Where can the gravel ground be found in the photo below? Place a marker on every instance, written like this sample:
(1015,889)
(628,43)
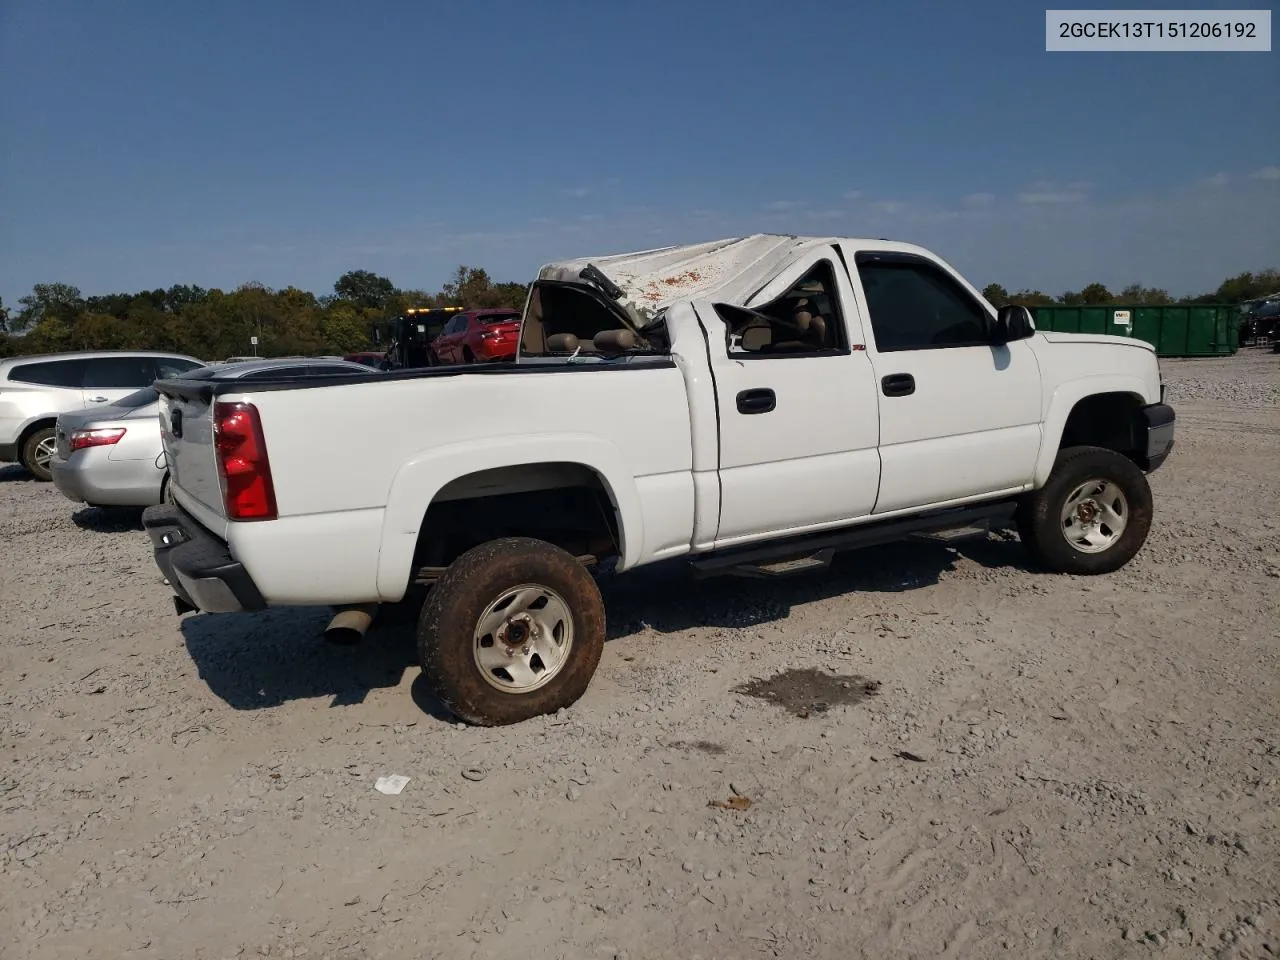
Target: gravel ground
(924,751)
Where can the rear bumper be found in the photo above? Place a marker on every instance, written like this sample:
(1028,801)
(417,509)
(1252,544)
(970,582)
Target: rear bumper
(489,350)
(90,476)
(1160,421)
(198,565)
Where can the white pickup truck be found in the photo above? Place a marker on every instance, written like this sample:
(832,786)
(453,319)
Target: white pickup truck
(752,405)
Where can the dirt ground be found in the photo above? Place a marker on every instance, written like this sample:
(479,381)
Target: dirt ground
(944,753)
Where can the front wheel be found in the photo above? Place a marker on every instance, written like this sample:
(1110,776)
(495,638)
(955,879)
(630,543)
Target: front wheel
(512,630)
(1091,517)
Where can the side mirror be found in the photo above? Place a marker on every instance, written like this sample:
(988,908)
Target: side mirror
(1013,322)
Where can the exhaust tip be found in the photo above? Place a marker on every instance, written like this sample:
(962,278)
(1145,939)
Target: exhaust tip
(350,624)
(343,636)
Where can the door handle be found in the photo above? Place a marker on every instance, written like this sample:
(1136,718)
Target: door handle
(760,400)
(898,385)
(97,399)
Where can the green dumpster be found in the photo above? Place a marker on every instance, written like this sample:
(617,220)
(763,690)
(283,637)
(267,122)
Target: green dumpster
(1201,330)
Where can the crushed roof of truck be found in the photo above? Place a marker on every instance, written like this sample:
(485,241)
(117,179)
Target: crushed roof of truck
(726,271)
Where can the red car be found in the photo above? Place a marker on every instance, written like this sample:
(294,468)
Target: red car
(478,336)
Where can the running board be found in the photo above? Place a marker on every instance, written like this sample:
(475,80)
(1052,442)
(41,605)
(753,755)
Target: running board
(815,551)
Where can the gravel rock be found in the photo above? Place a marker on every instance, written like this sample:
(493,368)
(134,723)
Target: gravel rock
(1101,751)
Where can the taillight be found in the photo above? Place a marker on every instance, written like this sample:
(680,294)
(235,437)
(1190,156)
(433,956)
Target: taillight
(241,452)
(96,438)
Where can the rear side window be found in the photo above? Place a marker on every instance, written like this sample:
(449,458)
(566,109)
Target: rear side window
(173,367)
(117,372)
(50,373)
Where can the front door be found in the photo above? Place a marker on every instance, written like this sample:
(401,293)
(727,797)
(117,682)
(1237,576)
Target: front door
(797,404)
(959,416)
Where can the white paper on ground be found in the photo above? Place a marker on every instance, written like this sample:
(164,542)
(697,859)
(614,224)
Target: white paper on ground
(391,784)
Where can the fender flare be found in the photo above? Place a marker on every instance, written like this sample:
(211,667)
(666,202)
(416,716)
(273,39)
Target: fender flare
(422,477)
(1063,401)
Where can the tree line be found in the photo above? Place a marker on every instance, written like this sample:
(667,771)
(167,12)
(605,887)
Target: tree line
(214,324)
(1238,289)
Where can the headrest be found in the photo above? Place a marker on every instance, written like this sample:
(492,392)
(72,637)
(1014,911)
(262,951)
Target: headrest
(562,343)
(614,341)
(756,338)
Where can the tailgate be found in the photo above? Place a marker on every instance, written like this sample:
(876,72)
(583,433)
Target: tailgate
(186,427)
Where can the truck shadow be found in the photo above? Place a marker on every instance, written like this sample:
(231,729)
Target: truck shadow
(13,473)
(256,661)
(664,598)
(108,519)
(264,660)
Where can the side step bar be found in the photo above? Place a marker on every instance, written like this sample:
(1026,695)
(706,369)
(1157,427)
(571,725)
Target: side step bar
(815,551)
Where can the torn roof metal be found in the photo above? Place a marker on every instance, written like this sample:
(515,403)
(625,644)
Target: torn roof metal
(727,271)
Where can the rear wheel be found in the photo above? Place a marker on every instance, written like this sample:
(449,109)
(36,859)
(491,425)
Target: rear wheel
(1092,516)
(513,629)
(38,453)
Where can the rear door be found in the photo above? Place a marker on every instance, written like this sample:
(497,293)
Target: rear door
(799,424)
(108,379)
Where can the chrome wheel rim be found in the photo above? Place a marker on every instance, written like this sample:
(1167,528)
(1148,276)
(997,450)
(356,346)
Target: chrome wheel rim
(523,639)
(44,452)
(1094,517)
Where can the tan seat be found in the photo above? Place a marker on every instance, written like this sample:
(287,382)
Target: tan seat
(614,341)
(562,343)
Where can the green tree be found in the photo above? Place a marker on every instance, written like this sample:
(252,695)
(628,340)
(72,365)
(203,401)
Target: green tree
(1031,298)
(344,328)
(364,288)
(1138,294)
(1092,295)
(995,294)
(48,300)
(4,317)
(1245,286)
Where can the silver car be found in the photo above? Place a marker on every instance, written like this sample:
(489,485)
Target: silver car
(113,456)
(35,390)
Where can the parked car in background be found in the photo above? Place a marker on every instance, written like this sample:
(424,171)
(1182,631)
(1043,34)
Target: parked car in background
(113,455)
(370,358)
(35,390)
(478,336)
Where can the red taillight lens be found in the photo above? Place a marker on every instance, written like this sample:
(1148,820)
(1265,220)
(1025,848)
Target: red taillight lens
(95,438)
(241,451)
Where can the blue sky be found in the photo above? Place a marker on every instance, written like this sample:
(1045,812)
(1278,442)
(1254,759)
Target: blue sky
(164,141)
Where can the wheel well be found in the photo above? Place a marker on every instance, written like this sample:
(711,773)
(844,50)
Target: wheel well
(32,428)
(566,504)
(1109,420)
